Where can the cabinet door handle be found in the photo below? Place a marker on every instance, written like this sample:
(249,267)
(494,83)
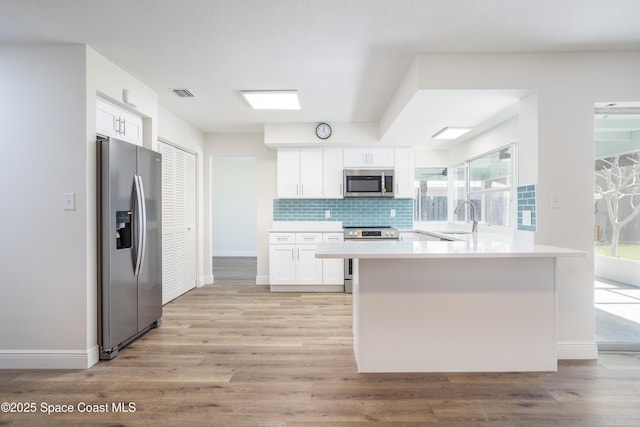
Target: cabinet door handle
(341,190)
(298,253)
(292,255)
(302,189)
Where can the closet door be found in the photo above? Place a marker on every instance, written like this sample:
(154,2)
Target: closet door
(178,221)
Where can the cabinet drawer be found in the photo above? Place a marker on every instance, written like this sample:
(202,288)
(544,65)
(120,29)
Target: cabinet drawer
(332,237)
(302,238)
(282,238)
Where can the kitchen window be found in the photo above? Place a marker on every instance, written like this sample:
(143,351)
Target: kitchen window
(431,194)
(488,184)
(459,178)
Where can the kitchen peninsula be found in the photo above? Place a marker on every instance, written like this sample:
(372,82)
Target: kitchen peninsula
(476,304)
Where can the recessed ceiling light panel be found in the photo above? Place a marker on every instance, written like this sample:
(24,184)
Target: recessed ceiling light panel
(272,99)
(450,133)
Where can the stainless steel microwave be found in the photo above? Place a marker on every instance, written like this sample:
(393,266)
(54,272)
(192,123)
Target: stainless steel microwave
(368,183)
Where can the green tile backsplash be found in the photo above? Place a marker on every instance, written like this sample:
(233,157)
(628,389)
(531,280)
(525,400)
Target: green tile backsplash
(365,211)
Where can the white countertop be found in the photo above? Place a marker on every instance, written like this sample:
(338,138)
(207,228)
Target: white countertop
(306,227)
(471,247)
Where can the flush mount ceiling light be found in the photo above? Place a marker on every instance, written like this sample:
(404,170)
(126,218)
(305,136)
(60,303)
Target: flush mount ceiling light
(450,133)
(272,99)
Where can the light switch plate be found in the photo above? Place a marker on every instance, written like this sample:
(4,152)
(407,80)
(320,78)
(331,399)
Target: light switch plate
(69,201)
(392,213)
(327,214)
(526,217)
(555,200)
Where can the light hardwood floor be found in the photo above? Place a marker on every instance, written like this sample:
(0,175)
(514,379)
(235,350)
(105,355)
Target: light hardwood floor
(240,270)
(237,355)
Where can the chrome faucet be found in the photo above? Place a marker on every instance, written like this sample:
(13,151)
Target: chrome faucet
(475,213)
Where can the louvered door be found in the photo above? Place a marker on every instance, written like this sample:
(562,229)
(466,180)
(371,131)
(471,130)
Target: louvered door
(178,221)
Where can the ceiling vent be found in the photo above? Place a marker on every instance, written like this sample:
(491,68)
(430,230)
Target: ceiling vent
(183,93)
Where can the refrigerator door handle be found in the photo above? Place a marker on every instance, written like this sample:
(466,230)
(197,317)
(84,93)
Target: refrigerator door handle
(141,219)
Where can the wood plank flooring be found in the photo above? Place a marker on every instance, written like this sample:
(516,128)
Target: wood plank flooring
(237,355)
(240,270)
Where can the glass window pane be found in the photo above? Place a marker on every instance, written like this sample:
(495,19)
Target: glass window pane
(459,190)
(430,203)
(491,172)
(494,207)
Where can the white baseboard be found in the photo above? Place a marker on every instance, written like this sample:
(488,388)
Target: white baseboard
(49,359)
(577,350)
(262,280)
(307,288)
(204,280)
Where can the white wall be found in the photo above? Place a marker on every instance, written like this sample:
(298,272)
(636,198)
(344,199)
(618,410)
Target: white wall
(250,145)
(176,131)
(304,134)
(566,86)
(48,266)
(43,308)
(234,207)
(502,134)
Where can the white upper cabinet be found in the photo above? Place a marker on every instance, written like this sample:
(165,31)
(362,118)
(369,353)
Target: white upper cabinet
(115,122)
(332,167)
(288,169)
(369,158)
(404,173)
(311,173)
(299,173)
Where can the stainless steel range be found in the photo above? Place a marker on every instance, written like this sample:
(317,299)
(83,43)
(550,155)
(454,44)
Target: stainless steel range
(364,233)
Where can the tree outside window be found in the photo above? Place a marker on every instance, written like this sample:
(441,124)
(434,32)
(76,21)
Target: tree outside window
(617,185)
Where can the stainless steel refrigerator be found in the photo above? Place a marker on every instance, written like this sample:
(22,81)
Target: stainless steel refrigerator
(129,243)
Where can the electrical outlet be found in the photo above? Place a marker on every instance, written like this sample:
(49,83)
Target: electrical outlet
(327,214)
(555,200)
(526,217)
(392,213)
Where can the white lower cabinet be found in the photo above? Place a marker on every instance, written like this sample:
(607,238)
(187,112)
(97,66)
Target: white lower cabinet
(293,266)
(308,267)
(333,269)
(282,267)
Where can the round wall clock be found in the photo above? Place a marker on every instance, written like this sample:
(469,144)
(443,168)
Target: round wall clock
(323,130)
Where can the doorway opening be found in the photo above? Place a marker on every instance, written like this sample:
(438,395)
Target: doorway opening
(617,226)
(234,219)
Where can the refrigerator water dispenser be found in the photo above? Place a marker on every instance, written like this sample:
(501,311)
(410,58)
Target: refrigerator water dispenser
(123,229)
